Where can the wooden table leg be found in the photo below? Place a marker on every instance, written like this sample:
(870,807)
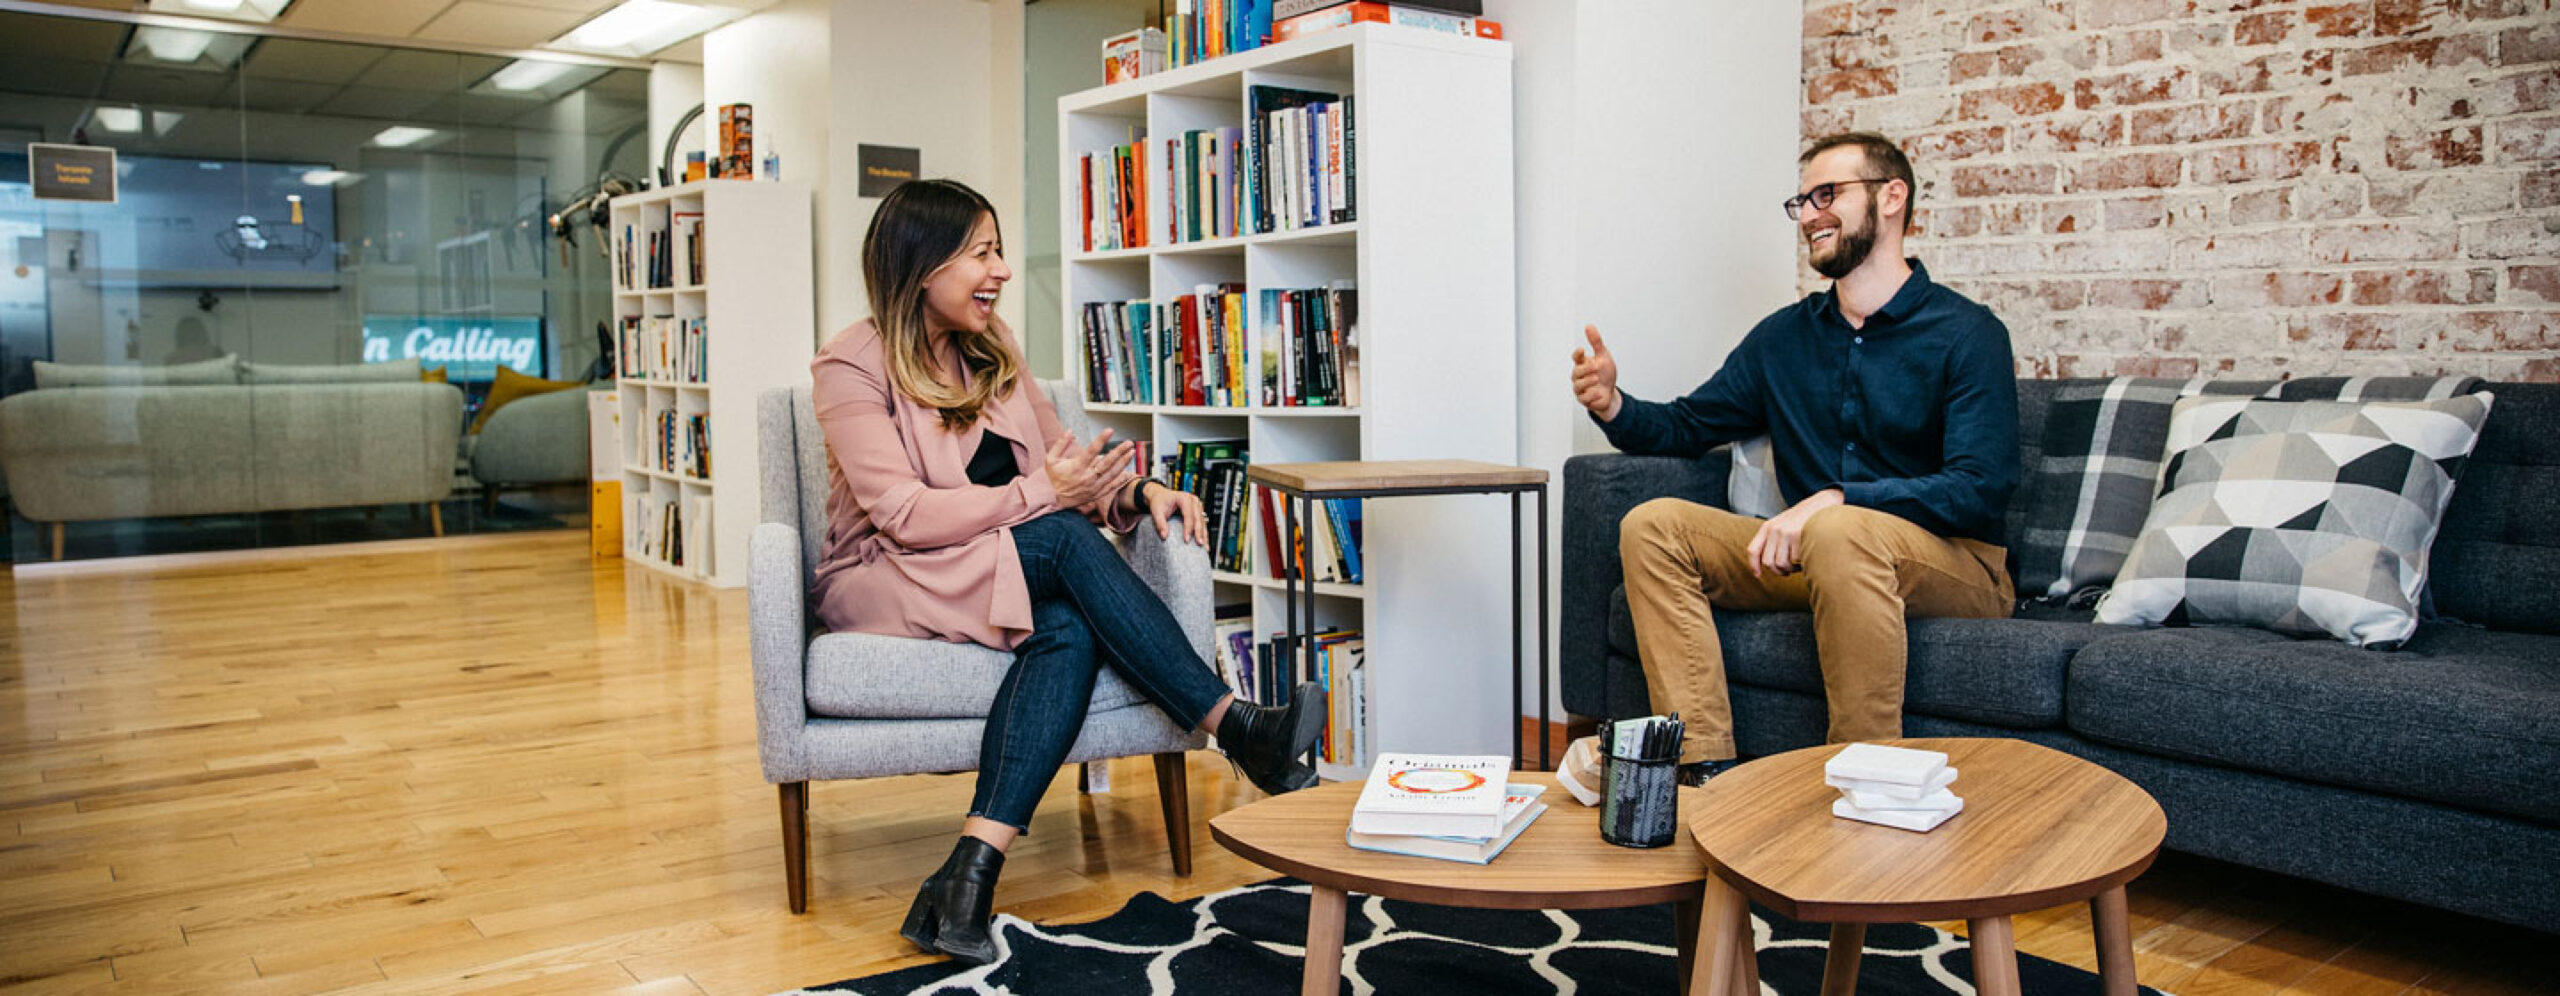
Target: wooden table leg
(1995,957)
(2115,942)
(1326,907)
(1746,969)
(1840,971)
(1684,930)
(1723,940)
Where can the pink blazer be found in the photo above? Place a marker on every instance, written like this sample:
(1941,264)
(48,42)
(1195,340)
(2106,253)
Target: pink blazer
(913,549)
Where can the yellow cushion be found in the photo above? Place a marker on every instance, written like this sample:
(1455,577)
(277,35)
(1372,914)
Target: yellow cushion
(434,375)
(510,386)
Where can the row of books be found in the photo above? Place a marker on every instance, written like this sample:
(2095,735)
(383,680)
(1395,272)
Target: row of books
(1332,537)
(676,531)
(672,349)
(646,258)
(1191,350)
(1293,164)
(1213,471)
(1200,349)
(677,443)
(1446,806)
(1199,30)
(1265,671)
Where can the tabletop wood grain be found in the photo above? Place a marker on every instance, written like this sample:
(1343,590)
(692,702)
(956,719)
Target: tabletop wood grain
(2039,828)
(1560,862)
(1319,479)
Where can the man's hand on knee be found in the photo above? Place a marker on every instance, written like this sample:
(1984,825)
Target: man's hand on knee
(1778,548)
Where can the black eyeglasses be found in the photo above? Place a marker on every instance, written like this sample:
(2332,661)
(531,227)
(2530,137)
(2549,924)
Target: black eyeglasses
(1821,197)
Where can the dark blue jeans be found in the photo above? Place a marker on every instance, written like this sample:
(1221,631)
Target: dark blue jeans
(1088,609)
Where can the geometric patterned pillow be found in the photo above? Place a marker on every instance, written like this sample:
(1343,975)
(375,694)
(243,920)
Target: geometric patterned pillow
(1752,488)
(2300,517)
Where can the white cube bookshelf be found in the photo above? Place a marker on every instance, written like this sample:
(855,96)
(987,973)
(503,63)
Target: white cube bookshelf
(757,302)
(1431,251)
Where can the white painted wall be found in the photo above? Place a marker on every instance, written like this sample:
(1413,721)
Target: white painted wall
(674,88)
(1655,139)
(778,61)
(914,73)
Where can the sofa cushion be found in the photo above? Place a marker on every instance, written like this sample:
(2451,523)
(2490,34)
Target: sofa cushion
(2305,517)
(866,676)
(2005,672)
(392,371)
(2461,716)
(221,370)
(508,386)
(2497,560)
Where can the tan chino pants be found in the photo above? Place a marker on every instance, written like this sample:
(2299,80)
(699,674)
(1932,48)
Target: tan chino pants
(1862,572)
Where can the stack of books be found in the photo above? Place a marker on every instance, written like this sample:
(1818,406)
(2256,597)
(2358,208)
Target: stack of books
(1892,786)
(1446,806)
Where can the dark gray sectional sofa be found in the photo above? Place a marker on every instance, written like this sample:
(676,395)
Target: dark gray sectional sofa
(2430,774)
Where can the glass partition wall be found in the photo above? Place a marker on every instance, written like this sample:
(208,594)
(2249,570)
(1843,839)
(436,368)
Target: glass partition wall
(326,305)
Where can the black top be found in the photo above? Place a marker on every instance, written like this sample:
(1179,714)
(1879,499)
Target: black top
(992,466)
(1915,414)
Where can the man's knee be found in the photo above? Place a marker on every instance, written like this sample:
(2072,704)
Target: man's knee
(1649,528)
(1843,533)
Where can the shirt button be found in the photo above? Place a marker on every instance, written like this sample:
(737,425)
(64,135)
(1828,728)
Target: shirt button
(1857,340)
(1853,447)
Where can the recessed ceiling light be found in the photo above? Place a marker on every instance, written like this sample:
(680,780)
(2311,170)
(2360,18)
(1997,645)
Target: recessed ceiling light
(329,178)
(639,27)
(254,11)
(403,136)
(187,47)
(525,75)
(121,120)
(163,121)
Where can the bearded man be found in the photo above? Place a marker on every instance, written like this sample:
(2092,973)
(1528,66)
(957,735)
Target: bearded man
(1891,410)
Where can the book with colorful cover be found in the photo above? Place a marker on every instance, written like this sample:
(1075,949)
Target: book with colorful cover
(1520,807)
(1449,795)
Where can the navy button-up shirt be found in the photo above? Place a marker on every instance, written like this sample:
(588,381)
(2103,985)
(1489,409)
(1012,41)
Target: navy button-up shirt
(1915,414)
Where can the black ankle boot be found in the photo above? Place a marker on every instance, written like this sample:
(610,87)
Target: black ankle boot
(950,913)
(1266,742)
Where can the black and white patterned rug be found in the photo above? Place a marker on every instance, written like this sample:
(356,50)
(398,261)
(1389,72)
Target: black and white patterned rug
(1251,940)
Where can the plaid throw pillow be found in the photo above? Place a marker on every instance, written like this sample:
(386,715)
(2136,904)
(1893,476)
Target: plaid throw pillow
(2301,517)
(2102,448)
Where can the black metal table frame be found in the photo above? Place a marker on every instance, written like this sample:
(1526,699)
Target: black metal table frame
(1301,593)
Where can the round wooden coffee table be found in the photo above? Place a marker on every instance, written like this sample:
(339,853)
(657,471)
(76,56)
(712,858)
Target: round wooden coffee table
(1560,863)
(2040,828)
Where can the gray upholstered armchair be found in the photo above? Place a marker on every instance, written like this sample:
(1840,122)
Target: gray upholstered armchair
(852,705)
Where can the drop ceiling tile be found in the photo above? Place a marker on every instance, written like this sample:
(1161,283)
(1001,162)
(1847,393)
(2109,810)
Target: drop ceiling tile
(65,77)
(37,36)
(309,61)
(475,109)
(479,22)
(582,8)
(397,18)
(385,104)
(286,96)
(438,72)
(166,86)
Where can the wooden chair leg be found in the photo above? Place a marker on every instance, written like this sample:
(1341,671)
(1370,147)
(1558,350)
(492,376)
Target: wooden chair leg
(57,540)
(489,500)
(435,517)
(1173,788)
(795,843)
(1084,778)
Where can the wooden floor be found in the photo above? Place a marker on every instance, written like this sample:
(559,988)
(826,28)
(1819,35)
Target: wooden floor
(492,764)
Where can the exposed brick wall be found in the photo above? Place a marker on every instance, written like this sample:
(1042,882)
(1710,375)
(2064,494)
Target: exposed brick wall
(2164,187)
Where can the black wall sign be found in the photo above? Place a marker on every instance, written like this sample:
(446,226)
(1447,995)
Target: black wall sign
(72,172)
(884,167)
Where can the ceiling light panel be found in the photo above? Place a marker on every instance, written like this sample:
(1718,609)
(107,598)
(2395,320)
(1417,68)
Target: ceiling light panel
(186,47)
(636,28)
(403,136)
(252,11)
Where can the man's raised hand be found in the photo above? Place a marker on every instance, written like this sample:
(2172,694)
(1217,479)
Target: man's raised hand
(1595,376)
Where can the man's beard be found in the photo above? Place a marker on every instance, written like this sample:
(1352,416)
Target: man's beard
(1848,248)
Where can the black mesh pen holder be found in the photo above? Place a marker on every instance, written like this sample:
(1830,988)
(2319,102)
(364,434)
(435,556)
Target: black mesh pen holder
(1641,806)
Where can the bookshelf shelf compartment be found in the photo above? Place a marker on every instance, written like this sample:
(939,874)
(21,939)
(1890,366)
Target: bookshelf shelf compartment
(1429,252)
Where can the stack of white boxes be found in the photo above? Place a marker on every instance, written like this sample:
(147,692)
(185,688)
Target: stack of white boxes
(1892,786)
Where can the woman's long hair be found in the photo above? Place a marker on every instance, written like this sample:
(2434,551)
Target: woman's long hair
(922,225)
